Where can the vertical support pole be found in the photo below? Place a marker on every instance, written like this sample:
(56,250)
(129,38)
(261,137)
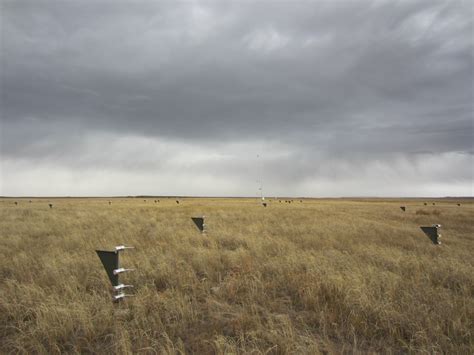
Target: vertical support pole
(438,234)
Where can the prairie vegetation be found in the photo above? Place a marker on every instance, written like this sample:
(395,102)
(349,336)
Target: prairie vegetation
(307,277)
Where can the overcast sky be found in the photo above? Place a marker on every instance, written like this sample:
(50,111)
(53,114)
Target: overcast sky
(337,98)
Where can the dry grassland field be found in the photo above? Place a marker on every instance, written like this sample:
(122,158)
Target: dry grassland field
(317,276)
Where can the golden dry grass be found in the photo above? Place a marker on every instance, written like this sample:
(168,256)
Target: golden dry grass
(318,276)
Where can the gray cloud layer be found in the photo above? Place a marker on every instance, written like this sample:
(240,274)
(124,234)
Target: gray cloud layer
(320,89)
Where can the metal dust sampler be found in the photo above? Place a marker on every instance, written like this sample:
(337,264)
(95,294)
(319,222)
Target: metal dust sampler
(433,233)
(199,222)
(110,261)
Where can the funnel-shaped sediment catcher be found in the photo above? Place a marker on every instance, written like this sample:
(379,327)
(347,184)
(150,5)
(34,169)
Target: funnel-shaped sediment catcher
(110,261)
(433,233)
(199,222)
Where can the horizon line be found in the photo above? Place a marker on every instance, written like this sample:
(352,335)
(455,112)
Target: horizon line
(246,197)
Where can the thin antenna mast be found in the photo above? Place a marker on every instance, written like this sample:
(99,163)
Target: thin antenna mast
(262,198)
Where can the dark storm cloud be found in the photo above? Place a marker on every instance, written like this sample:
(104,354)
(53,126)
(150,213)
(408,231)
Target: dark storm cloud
(354,79)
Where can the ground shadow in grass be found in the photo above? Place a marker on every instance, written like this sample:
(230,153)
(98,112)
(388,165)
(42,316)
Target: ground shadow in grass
(432,233)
